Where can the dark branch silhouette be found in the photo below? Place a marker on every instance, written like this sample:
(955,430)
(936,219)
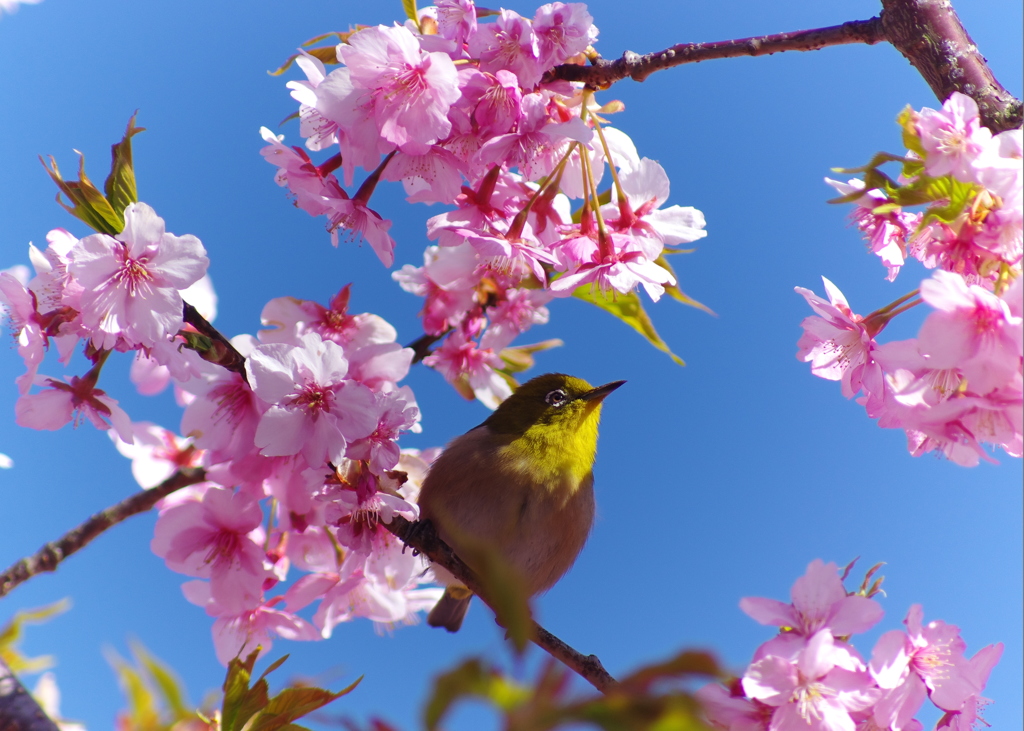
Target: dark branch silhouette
(49,556)
(603,73)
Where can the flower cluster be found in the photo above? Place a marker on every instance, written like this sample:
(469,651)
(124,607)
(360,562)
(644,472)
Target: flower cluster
(308,434)
(466,113)
(958,385)
(810,677)
(304,435)
(115,293)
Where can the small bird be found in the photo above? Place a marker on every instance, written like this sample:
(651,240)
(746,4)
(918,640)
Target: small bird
(520,483)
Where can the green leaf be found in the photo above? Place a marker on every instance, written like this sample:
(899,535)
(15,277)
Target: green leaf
(409,6)
(627,308)
(87,203)
(959,196)
(236,688)
(520,358)
(167,682)
(328,55)
(143,709)
(471,679)
(120,184)
(673,290)
(293,703)
(12,632)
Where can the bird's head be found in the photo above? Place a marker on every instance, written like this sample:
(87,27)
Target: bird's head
(554,404)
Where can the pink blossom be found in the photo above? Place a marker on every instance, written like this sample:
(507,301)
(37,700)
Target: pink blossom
(398,413)
(512,255)
(456,20)
(447,280)
(19,306)
(470,368)
(434,176)
(733,712)
(380,366)
(928,656)
(509,44)
(819,601)
(214,539)
(953,138)
(886,233)
(289,319)
(494,101)
(646,187)
(236,634)
(354,216)
(224,414)
(132,282)
(156,453)
(972,330)
(979,668)
(314,409)
(839,347)
(60,403)
(563,30)
(622,268)
(537,143)
(520,310)
(411,90)
(297,172)
(812,693)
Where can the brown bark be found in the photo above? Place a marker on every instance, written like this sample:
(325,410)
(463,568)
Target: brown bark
(930,35)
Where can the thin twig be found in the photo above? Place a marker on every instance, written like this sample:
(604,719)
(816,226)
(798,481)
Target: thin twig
(930,35)
(423,538)
(603,73)
(49,556)
(421,346)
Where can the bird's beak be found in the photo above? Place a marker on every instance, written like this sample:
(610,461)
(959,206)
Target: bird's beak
(598,394)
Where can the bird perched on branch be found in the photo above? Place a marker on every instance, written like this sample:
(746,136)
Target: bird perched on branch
(521,484)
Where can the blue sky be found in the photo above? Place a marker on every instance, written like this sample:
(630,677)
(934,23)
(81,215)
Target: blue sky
(715,481)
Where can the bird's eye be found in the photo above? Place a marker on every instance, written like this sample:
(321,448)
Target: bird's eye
(557,398)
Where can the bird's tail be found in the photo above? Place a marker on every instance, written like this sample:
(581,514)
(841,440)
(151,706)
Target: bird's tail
(451,609)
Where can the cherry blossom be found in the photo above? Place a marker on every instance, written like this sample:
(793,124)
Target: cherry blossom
(132,282)
(156,453)
(953,137)
(60,403)
(819,601)
(239,633)
(814,693)
(213,539)
(411,90)
(314,409)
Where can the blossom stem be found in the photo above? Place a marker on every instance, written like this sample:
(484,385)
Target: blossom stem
(591,188)
(895,303)
(903,309)
(620,195)
(366,189)
(516,229)
(49,557)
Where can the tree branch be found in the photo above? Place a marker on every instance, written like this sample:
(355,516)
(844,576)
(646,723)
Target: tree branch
(49,556)
(930,35)
(423,538)
(221,351)
(19,711)
(603,73)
